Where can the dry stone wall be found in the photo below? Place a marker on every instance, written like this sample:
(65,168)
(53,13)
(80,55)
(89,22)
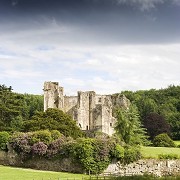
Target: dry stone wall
(141,167)
(149,166)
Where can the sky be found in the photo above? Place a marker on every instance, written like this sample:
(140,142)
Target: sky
(102,45)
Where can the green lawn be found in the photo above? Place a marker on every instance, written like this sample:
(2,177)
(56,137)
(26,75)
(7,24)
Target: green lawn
(177,142)
(153,152)
(10,173)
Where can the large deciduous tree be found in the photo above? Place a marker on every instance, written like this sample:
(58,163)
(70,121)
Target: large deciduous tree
(156,124)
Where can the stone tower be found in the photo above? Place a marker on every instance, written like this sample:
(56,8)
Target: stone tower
(53,96)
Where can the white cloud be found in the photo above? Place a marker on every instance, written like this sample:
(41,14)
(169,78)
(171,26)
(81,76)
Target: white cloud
(104,69)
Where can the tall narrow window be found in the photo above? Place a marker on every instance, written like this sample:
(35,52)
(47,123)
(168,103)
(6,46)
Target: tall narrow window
(86,127)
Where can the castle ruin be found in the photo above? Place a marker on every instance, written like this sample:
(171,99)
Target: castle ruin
(90,110)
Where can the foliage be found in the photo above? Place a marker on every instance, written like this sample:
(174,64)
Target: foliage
(55,134)
(53,119)
(163,140)
(168,156)
(164,102)
(39,148)
(33,103)
(31,142)
(128,126)
(93,154)
(4,138)
(15,108)
(118,152)
(20,143)
(56,146)
(131,154)
(174,122)
(11,105)
(41,136)
(155,125)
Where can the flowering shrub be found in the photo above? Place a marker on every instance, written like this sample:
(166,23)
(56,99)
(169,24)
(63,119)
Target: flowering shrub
(94,154)
(39,148)
(20,143)
(55,146)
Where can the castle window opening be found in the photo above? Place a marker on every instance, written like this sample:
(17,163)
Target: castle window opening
(86,127)
(110,124)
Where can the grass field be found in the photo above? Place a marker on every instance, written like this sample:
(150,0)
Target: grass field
(177,142)
(153,152)
(10,173)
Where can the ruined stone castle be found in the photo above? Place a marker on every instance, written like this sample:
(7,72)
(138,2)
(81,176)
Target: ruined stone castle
(90,110)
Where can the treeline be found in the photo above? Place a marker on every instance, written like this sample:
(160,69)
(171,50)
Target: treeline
(16,108)
(159,110)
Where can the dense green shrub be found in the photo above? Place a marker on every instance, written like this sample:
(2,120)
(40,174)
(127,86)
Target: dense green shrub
(117,152)
(131,154)
(4,138)
(92,154)
(168,156)
(55,134)
(163,140)
(41,136)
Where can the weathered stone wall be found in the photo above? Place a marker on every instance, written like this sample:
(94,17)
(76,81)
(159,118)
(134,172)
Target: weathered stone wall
(53,95)
(66,164)
(141,167)
(83,110)
(149,166)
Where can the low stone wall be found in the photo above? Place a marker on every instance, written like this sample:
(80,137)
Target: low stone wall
(149,166)
(66,164)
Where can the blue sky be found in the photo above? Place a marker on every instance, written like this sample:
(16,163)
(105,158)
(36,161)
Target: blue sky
(101,45)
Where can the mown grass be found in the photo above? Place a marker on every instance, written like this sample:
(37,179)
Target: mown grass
(153,152)
(177,142)
(10,173)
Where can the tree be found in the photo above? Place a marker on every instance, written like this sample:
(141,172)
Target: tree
(128,126)
(156,124)
(33,103)
(11,105)
(174,122)
(53,119)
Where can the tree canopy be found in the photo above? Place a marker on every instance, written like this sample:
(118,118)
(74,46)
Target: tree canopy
(162,102)
(15,108)
(53,119)
(129,128)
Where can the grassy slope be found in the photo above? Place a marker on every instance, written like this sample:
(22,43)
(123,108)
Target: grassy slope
(9,173)
(152,152)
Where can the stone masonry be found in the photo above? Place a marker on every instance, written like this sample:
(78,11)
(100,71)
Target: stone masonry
(91,111)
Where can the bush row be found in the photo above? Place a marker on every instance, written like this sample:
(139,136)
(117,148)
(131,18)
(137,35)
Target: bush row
(94,154)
